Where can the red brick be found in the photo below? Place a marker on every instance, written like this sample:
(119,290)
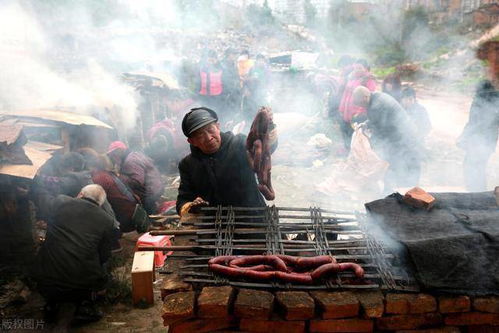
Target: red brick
(273,326)
(215,302)
(397,303)
(178,306)
(256,304)
(422,303)
(419,198)
(340,304)
(486,304)
(342,325)
(408,322)
(371,302)
(483,329)
(174,284)
(202,325)
(450,304)
(296,305)
(472,318)
(410,303)
(446,329)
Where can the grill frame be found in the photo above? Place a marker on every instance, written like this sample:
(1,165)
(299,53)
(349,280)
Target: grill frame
(322,227)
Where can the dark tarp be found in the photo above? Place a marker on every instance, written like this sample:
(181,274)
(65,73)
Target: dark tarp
(454,247)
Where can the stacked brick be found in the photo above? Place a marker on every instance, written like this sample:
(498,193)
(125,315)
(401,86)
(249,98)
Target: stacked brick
(229,309)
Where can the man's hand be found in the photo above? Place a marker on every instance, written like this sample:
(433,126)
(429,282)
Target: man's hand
(197,204)
(193,206)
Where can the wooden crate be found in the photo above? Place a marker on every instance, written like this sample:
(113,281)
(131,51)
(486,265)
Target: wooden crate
(143,277)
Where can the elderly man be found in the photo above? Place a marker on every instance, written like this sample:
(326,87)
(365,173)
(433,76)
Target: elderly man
(217,171)
(139,173)
(393,137)
(70,265)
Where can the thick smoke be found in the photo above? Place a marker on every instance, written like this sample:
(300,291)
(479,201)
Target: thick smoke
(32,78)
(71,54)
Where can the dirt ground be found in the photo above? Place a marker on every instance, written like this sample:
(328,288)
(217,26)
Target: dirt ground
(297,171)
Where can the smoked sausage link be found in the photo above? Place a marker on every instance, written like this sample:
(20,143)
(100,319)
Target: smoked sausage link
(252,260)
(287,268)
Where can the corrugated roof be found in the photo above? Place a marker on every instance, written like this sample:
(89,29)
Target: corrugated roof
(57,116)
(9,133)
(36,156)
(43,146)
(169,81)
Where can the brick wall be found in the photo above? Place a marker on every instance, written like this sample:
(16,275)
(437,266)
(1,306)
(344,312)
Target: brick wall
(230,309)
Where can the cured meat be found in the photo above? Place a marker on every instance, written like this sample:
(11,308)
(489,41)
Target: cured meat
(356,268)
(286,268)
(259,148)
(313,262)
(274,261)
(221,260)
(328,269)
(324,270)
(294,277)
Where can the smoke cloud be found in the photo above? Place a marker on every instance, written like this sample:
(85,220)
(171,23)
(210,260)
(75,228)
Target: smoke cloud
(70,54)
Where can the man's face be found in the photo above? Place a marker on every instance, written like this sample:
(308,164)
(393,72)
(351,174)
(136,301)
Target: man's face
(207,138)
(212,60)
(407,102)
(361,100)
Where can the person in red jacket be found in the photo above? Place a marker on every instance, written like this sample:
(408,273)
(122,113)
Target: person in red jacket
(120,197)
(139,173)
(360,76)
(210,81)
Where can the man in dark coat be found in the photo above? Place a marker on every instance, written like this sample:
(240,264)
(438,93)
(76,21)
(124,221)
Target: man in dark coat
(393,137)
(217,171)
(231,82)
(70,264)
(479,137)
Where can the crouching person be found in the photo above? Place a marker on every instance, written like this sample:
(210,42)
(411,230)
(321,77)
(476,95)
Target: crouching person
(69,267)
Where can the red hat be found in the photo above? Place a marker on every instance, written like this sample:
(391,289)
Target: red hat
(116,145)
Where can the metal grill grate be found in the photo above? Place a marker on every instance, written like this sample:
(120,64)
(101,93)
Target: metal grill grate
(266,230)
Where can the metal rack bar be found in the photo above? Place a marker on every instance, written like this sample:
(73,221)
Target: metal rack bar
(229,224)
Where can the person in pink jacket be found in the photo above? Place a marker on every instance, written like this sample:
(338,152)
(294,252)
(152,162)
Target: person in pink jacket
(360,76)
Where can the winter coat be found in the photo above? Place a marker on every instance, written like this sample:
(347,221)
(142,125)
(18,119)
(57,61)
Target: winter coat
(141,175)
(121,198)
(419,117)
(481,131)
(357,78)
(231,80)
(223,178)
(393,132)
(77,244)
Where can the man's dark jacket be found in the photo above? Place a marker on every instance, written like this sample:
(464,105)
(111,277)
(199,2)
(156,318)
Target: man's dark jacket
(481,131)
(393,132)
(77,245)
(223,178)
